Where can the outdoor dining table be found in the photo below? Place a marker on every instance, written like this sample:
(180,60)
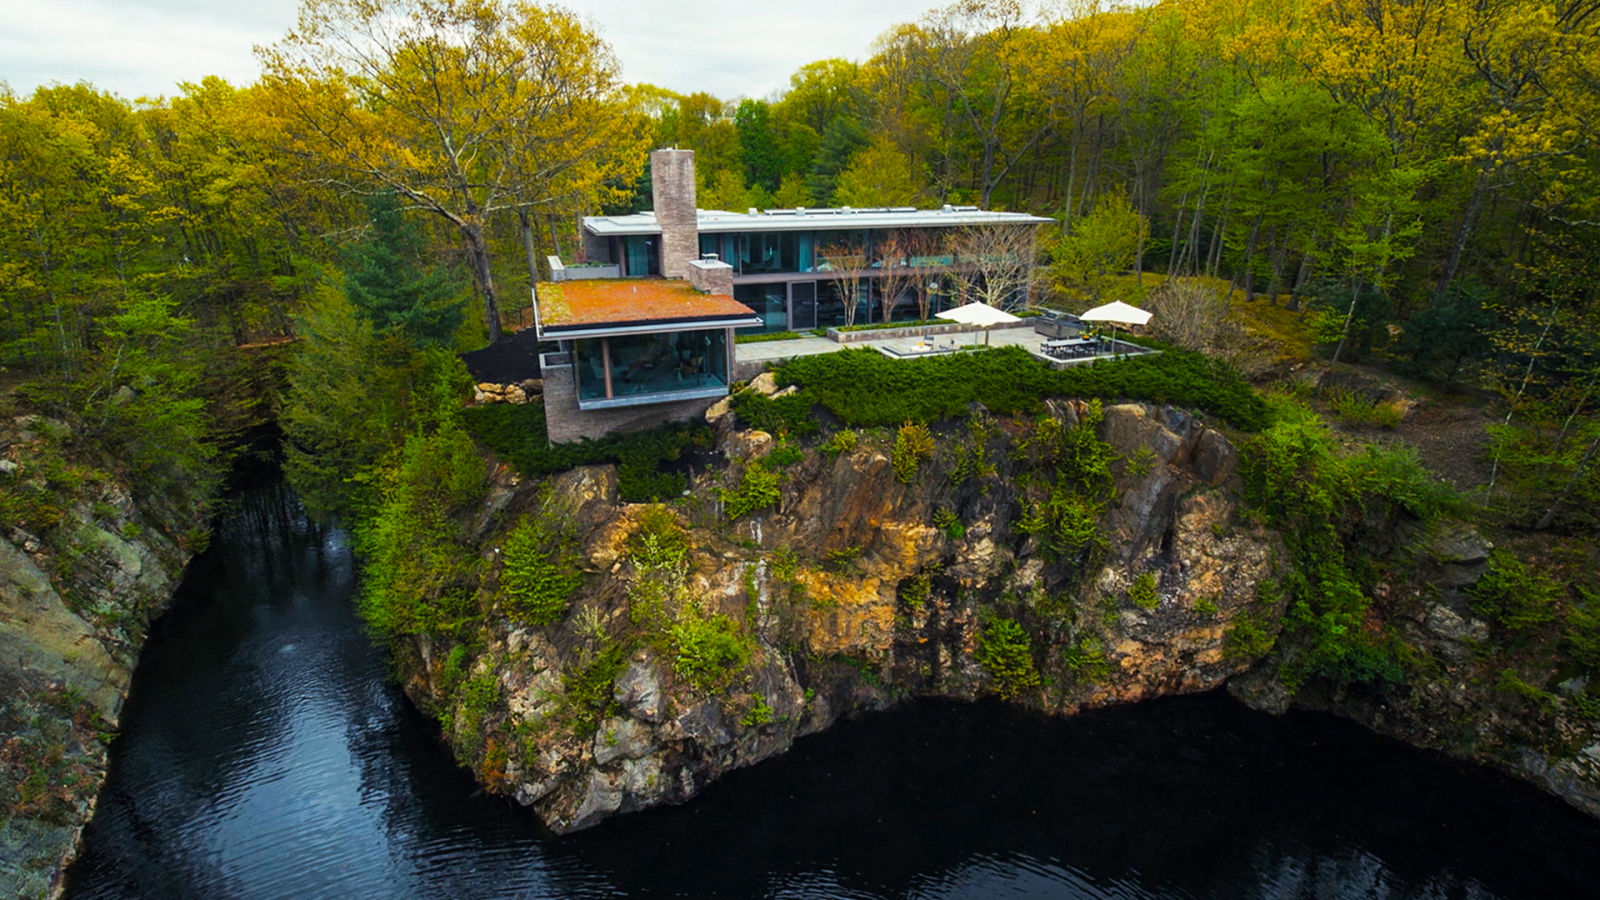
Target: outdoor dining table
(1070,347)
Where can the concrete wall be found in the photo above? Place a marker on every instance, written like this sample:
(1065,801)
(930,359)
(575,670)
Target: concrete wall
(672,191)
(566,423)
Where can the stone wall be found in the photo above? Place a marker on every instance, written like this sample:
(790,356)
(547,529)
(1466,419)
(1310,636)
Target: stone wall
(711,276)
(565,423)
(672,191)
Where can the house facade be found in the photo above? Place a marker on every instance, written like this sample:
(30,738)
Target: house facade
(646,321)
(786,262)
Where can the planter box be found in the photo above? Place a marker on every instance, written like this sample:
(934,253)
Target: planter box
(876,334)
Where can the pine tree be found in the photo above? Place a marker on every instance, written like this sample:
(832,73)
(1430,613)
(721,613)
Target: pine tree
(388,284)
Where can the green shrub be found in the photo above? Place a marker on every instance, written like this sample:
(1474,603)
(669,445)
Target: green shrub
(708,651)
(764,338)
(475,698)
(419,575)
(757,490)
(1086,659)
(1355,409)
(948,522)
(783,456)
(1005,652)
(914,592)
(1248,637)
(1142,593)
(843,441)
(863,388)
(789,414)
(588,689)
(759,713)
(913,443)
(516,433)
(541,572)
(1514,595)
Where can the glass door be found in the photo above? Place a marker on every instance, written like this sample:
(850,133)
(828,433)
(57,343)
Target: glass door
(802,305)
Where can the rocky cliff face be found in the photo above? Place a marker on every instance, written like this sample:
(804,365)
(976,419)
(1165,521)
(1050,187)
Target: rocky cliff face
(698,645)
(82,573)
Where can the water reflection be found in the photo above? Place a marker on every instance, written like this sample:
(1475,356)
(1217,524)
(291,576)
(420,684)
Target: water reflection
(264,755)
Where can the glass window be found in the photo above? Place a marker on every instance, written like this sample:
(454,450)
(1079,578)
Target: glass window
(651,364)
(771,303)
(641,256)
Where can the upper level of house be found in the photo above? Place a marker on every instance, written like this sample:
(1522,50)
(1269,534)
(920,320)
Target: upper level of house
(765,244)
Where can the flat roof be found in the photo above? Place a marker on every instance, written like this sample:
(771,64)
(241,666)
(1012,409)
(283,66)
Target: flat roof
(715,221)
(592,306)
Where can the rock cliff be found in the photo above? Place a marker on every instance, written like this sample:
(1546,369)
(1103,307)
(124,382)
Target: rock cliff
(83,571)
(1085,558)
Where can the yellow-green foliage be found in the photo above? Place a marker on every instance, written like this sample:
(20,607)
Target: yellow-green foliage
(843,441)
(420,577)
(709,650)
(1006,654)
(912,444)
(1142,593)
(757,490)
(541,571)
(1087,659)
(659,551)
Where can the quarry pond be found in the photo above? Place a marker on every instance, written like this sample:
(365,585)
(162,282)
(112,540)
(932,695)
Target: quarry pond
(264,754)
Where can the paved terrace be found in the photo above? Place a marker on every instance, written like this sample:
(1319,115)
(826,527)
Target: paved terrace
(750,359)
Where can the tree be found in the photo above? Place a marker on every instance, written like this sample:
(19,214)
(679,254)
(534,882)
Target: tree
(844,261)
(994,263)
(389,283)
(896,274)
(758,145)
(1098,245)
(878,175)
(463,108)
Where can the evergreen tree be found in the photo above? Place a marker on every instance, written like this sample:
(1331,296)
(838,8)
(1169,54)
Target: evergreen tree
(389,285)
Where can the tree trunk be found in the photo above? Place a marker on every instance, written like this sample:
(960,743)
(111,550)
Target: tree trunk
(1177,233)
(1300,279)
(478,258)
(1349,316)
(1468,220)
(1249,272)
(526,223)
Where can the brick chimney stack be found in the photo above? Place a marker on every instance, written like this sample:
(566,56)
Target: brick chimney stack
(672,191)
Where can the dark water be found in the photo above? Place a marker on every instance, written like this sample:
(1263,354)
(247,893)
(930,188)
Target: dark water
(264,756)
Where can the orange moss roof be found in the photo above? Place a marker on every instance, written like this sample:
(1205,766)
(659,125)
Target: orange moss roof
(618,302)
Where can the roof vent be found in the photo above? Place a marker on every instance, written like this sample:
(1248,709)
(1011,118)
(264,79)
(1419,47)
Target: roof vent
(799,210)
(947,208)
(753,211)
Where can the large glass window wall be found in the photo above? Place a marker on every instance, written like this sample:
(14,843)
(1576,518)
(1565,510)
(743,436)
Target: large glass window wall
(763,253)
(771,303)
(651,367)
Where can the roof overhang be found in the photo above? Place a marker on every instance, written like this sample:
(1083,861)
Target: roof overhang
(711,221)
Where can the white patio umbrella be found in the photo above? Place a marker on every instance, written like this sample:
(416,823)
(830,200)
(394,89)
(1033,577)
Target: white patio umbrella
(978,314)
(1116,313)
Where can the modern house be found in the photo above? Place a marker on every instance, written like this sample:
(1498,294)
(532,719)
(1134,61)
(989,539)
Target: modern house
(646,320)
(782,259)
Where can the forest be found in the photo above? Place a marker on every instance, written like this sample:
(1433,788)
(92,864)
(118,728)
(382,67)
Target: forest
(1418,183)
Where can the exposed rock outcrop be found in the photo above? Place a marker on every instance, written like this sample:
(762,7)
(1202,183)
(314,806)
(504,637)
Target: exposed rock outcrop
(859,588)
(82,574)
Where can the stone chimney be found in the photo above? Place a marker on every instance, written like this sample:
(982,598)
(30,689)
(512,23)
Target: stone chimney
(711,275)
(672,191)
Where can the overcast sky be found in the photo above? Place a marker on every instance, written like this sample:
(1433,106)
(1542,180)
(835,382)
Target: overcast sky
(144,48)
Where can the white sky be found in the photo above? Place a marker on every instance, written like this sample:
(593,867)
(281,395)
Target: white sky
(144,48)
